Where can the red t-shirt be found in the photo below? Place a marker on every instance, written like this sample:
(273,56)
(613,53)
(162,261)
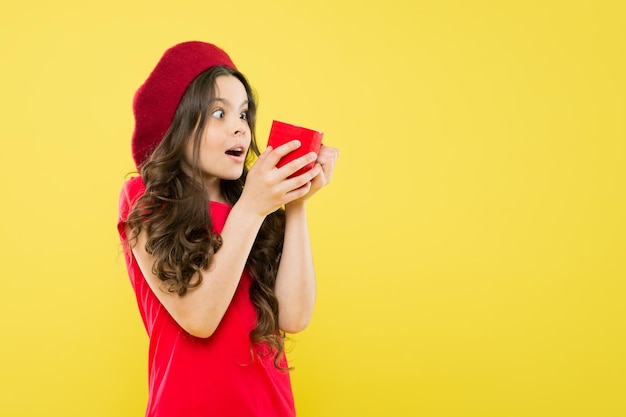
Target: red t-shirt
(216,376)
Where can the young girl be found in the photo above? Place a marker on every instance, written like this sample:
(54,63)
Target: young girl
(220,269)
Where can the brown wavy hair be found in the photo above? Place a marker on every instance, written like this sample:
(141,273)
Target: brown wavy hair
(174,212)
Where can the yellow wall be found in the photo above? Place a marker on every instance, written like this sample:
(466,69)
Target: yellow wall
(470,249)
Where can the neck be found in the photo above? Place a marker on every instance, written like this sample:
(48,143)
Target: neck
(211,185)
(213,189)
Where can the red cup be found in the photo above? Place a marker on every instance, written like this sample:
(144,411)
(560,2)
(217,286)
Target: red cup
(311,141)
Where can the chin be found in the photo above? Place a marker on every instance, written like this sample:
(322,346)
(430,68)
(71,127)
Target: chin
(233,176)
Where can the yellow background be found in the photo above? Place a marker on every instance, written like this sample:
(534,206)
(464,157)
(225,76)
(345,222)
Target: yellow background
(470,249)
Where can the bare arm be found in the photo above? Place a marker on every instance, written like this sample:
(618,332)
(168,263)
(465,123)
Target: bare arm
(295,284)
(200,311)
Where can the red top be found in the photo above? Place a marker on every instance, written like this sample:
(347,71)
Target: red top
(216,376)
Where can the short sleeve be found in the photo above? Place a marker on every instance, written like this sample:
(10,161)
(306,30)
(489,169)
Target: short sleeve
(131,191)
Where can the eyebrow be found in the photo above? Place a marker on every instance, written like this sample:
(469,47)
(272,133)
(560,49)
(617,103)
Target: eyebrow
(228,103)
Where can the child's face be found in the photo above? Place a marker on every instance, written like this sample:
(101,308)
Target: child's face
(226,137)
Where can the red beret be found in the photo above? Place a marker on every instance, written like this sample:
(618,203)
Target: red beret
(156,100)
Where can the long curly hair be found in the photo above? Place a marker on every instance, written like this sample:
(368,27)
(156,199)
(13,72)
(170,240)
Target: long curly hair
(174,212)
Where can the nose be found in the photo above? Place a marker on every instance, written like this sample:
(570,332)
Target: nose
(240,127)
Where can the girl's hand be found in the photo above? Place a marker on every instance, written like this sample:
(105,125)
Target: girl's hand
(322,171)
(267,187)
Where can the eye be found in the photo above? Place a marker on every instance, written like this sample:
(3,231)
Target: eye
(218,114)
(244,115)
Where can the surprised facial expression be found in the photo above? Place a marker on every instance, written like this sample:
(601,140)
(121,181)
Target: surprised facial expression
(226,136)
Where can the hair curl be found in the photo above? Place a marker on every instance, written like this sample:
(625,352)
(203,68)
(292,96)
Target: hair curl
(174,212)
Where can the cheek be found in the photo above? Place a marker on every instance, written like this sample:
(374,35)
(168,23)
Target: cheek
(210,138)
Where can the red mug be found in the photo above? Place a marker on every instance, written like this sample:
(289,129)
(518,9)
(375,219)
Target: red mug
(311,141)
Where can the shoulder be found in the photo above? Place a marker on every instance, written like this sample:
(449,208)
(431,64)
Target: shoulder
(131,191)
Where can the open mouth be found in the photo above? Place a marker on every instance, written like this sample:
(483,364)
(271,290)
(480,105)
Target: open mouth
(235,151)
